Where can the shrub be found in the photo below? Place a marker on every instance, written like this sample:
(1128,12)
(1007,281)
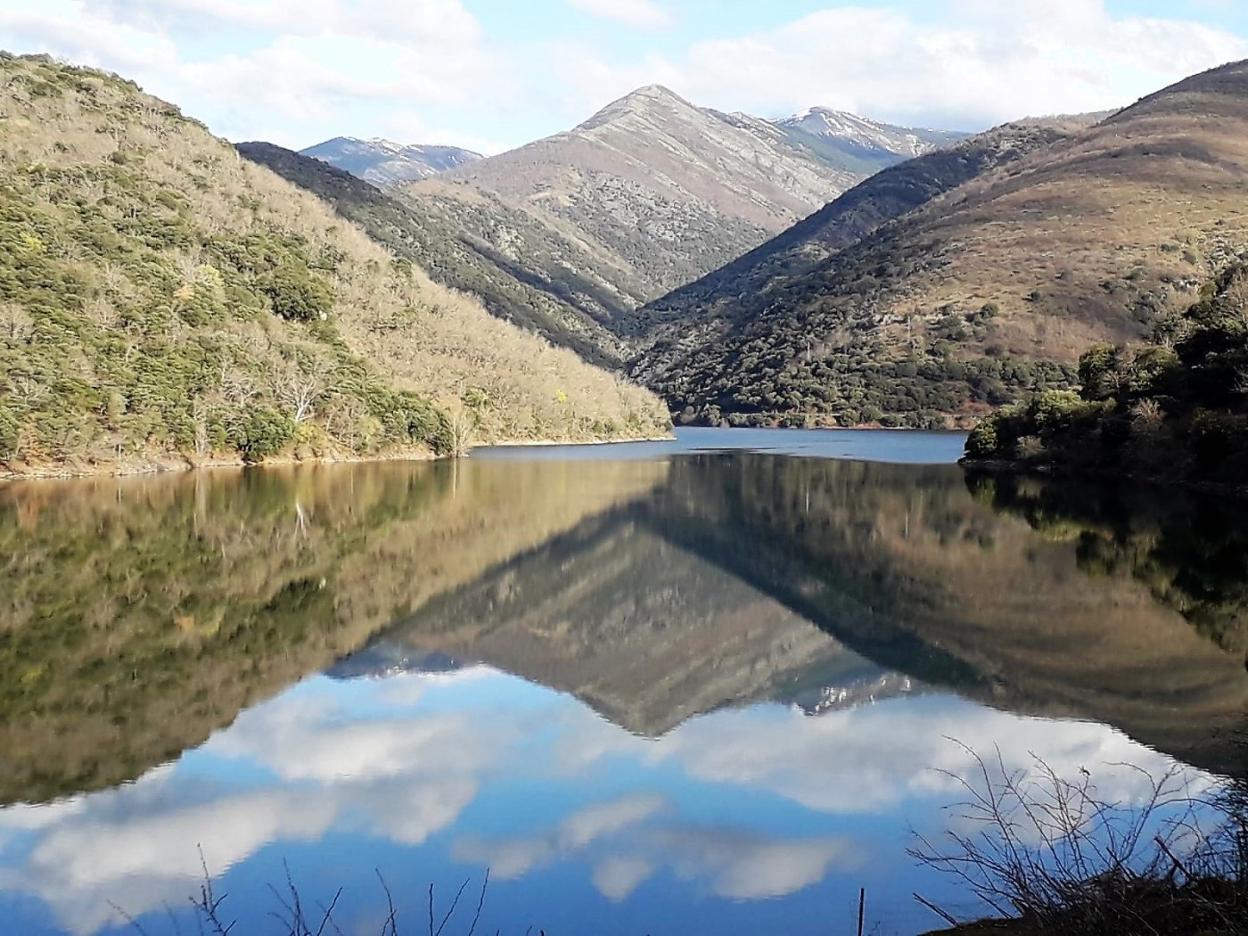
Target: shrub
(983,440)
(295,293)
(261,432)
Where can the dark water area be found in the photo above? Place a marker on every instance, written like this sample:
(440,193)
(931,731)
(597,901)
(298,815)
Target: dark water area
(704,686)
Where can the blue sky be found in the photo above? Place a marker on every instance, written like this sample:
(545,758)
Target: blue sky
(491,74)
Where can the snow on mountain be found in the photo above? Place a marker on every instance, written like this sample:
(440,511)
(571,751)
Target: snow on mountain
(384,162)
(864,137)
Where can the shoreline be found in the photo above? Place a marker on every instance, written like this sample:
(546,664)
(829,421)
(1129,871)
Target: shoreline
(175,464)
(996,466)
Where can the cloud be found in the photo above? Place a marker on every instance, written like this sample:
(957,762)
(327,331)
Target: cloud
(641,14)
(430,71)
(871,759)
(617,876)
(515,857)
(982,63)
(404,759)
(290,72)
(748,866)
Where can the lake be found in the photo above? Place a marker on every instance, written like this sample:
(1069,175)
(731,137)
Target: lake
(715,685)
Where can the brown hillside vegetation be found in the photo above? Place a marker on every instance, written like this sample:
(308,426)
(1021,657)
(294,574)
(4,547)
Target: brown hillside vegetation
(748,284)
(163,299)
(997,286)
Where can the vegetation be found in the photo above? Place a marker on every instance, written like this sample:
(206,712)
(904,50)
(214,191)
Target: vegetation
(656,190)
(1054,855)
(1175,409)
(164,302)
(447,238)
(987,293)
(141,614)
(749,283)
(1189,550)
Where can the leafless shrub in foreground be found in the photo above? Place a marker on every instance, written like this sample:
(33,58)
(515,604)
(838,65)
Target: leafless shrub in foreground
(1055,854)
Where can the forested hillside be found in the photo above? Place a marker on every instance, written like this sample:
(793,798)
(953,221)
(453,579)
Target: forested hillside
(424,228)
(993,289)
(164,301)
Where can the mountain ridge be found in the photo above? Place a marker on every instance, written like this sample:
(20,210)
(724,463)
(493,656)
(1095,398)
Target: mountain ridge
(661,190)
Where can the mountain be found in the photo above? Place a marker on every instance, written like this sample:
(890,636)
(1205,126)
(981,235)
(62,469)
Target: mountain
(646,632)
(839,136)
(451,241)
(164,302)
(748,284)
(660,191)
(385,163)
(991,289)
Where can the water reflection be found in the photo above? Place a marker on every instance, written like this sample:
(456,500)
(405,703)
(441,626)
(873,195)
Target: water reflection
(700,692)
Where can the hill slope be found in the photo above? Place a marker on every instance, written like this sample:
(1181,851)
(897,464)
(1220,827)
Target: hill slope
(748,284)
(164,301)
(660,190)
(995,287)
(440,236)
(385,163)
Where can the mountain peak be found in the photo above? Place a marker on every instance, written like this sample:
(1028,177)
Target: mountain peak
(645,100)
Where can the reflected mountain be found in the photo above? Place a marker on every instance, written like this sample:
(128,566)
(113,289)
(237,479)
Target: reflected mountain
(643,630)
(704,593)
(141,615)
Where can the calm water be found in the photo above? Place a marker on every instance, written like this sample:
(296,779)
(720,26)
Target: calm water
(670,688)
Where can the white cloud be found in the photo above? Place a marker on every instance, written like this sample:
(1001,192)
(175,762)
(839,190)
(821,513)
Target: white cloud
(983,63)
(298,71)
(642,14)
(286,71)
(617,876)
(392,760)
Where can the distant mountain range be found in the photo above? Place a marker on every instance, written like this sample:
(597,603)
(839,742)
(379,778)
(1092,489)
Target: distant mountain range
(383,162)
(659,191)
(568,236)
(840,136)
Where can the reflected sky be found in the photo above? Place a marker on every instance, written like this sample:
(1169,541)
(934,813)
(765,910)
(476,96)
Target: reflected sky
(759,816)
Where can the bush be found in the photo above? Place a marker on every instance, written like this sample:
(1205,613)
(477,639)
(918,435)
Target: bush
(261,432)
(296,294)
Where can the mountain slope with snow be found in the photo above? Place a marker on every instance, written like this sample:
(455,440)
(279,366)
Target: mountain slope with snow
(386,163)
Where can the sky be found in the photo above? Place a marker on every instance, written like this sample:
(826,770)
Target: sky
(493,74)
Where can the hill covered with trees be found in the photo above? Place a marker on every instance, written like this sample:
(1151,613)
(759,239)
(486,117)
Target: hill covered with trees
(164,301)
(424,228)
(1173,409)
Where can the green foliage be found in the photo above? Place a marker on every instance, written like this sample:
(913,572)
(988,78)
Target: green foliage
(133,327)
(295,293)
(1169,412)
(259,432)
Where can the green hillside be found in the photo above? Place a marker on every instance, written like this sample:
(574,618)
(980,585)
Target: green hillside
(165,302)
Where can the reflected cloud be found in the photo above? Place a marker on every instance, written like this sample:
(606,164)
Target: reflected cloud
(618,876)
(403,759)
(747,866)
